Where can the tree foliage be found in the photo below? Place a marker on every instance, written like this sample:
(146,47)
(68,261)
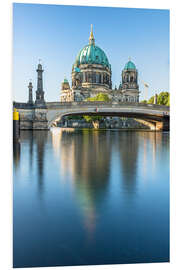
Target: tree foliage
(162,99)
(99,97)
(151,100)
(90,118)
(143,101)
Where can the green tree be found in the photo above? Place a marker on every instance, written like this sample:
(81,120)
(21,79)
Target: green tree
(99,97)
(96,119)
(143,101)
(163,98)
(151,100)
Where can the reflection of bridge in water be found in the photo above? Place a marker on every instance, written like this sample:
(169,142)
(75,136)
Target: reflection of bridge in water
(37,117)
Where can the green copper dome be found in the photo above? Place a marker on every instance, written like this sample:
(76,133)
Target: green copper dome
(130,65)
(65,80)
(92,54)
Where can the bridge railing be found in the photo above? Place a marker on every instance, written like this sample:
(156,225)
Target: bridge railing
(54,105)
(103,103)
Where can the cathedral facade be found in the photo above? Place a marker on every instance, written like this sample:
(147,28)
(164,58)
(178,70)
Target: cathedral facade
(91,75)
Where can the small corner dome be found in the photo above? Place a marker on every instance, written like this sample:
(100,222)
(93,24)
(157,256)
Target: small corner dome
(65,81)
(129,65)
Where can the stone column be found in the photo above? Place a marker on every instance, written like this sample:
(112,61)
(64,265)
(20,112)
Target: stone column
(84,79)
(30,101)
(40,93)
(102,78)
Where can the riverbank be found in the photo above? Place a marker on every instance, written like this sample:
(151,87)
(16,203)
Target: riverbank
(105,123)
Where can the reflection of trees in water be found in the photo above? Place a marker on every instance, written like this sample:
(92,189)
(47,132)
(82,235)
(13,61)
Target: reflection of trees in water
(139,150)
(154,144)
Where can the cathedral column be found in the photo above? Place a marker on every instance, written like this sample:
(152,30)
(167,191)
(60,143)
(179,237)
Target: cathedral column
(101,78)
(84,79)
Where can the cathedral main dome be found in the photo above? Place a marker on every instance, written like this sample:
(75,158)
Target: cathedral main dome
(91,68)
(92,54)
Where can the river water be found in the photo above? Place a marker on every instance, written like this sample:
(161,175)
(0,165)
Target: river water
(86,197)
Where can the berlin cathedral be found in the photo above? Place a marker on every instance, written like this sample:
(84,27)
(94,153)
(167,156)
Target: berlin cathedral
(91,75)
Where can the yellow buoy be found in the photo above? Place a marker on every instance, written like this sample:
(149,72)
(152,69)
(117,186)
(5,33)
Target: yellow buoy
(16,130)
(15,114)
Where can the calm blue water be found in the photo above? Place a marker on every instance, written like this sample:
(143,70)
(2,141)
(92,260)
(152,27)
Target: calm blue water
(91,197)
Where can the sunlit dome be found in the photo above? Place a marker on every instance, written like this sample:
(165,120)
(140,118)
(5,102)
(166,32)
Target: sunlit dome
(92,54)
(129,65)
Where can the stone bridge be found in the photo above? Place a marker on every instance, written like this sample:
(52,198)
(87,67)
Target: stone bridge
(43,117)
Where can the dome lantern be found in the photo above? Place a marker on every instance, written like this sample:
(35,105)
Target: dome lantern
(91,38)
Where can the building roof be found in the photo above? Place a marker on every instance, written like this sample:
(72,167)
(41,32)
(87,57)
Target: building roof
(92,54)
(129,65)
(65,80)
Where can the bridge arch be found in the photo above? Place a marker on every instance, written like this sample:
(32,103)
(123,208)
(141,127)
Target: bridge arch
(156,117)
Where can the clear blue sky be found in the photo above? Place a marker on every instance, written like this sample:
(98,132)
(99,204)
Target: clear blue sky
(56,33)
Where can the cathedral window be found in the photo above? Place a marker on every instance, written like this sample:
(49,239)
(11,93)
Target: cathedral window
(97,77)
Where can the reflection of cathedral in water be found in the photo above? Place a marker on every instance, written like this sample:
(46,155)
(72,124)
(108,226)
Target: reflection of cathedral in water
(128,151)
(87,159)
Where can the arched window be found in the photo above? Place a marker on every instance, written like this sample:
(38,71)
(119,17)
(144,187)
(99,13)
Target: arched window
(89,77)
